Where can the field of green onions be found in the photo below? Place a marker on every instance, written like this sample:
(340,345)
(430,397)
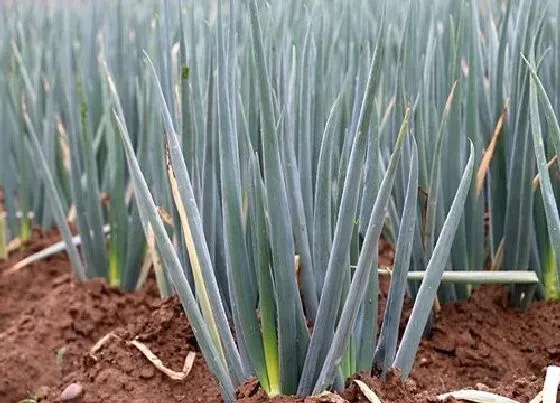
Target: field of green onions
(248,157)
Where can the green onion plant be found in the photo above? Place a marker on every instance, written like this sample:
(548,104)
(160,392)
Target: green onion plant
(256,152)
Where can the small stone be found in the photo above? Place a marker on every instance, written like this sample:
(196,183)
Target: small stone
(73,393)
(424,362)
(147,373)
(410,385)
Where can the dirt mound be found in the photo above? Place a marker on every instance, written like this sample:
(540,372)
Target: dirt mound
(480,344)
(49,323)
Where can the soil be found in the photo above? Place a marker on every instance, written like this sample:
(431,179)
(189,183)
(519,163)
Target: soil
(49,323)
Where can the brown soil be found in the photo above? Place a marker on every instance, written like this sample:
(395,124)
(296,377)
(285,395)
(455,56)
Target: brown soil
(48,324)
(479,344)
